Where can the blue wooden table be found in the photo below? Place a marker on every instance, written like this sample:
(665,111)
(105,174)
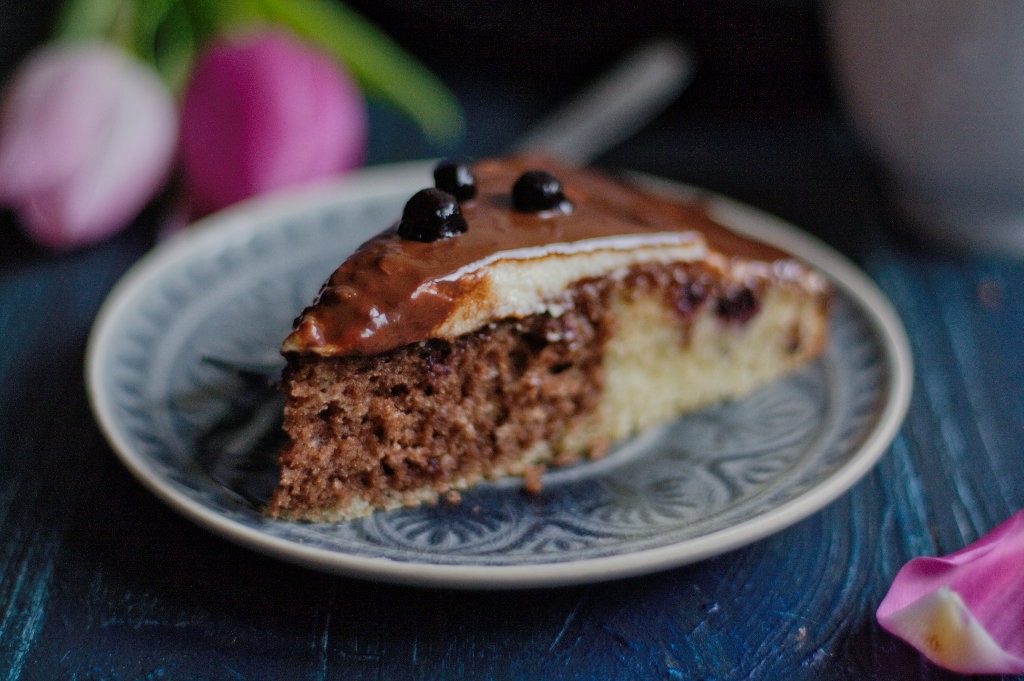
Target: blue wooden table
(99,580)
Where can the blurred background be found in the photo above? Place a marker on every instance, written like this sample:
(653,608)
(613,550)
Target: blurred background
(756,59)
(760,63)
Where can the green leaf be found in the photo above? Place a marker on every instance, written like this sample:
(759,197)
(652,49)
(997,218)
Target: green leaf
(175,46)
(381,67)
(147,16)
(105,20)
(87,19)
(212,18)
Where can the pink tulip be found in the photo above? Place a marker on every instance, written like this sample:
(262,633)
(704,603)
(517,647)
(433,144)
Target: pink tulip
(965,611)
(87,137)
(265,112)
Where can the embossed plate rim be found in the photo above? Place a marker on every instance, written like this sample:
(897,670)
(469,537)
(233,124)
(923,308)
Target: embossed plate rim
(228,227)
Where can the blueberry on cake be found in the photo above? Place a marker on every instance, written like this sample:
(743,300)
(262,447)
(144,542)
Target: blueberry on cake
(521,315)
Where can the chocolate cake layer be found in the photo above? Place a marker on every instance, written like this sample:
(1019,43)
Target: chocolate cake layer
(399,427)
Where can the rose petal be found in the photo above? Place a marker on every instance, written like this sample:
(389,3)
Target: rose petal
(265,112)
(965,611)
(87,138)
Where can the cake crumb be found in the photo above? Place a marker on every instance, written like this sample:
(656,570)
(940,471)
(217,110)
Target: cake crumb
(453,497)
(532,481)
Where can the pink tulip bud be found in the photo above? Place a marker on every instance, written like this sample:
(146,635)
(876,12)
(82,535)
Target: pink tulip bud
(264,112)
(87,137)
(965,611)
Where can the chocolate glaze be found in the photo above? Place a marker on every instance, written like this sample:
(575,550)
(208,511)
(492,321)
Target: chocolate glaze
(392,291)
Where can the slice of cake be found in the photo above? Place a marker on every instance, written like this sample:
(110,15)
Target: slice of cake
(523,314)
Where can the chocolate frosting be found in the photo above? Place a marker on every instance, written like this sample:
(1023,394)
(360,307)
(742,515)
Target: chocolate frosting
(393,291)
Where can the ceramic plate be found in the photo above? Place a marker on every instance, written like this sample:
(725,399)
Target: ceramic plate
(173,371)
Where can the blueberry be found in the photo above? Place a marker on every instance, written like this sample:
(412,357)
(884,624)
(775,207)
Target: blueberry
(431,214)
(738,304)
(537,190)
(456,179)
(692,297)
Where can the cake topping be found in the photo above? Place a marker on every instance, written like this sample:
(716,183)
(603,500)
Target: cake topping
(539,190)
(431,214)
(456,179)
(410,282)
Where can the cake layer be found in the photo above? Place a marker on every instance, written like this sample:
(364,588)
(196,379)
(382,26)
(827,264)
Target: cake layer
(627,352)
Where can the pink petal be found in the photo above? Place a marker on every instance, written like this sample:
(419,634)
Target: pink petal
(263,113)
(965,611)
(87,138)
